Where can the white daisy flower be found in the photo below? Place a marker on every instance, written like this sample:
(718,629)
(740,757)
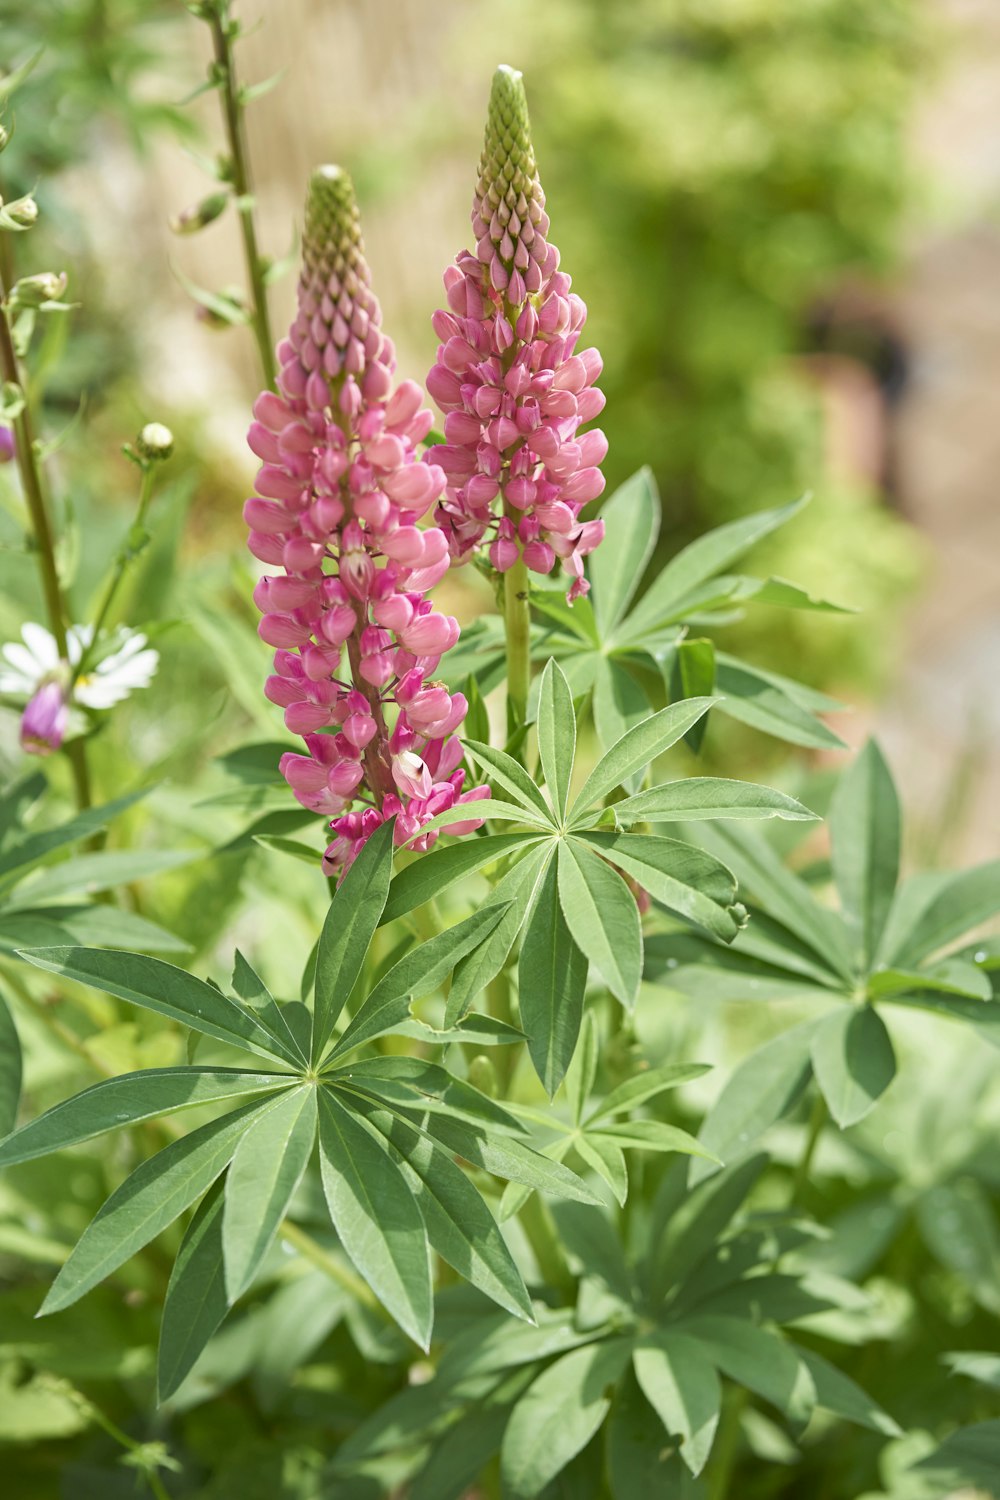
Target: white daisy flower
(106,681)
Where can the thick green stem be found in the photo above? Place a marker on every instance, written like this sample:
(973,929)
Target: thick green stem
(38,511)
(232,115)
(517,625)
(727,1445)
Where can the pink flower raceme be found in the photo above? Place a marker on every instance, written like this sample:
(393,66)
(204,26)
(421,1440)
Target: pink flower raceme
(507,376)
(339,498)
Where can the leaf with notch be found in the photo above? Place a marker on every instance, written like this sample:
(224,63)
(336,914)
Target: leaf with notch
(681,1385)
(853,1061)
(684,879)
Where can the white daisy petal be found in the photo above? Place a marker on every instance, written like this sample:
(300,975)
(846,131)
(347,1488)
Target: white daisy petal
(22,661)
(78,638)
(42,646)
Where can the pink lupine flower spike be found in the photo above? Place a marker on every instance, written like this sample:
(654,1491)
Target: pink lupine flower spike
(507,376)
(340,497)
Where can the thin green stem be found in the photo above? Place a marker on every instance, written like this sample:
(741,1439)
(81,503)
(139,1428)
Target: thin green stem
(540,1231)
(128,551)
(223,33)
(331,1265)
(817,1120)
(38,511)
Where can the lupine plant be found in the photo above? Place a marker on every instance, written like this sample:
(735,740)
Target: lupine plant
(448,1203)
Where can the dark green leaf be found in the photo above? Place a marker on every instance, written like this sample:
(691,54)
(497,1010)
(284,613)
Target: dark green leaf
(147,1201)
(433,873)
(556,729)
(552,977)
(865,825)
(196,1301)
(129,1099)
(165,989)
(418,973)
(351,921)
(265,1171)
(460,1227)
(376,1217)
(838,1393)
(254,994)
(758,1359)
(514,892)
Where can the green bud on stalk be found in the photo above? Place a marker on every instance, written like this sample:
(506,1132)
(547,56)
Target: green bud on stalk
(201,214)
(155,442)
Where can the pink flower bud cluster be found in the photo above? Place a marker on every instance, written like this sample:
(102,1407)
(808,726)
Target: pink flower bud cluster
(507,375)
(339,497)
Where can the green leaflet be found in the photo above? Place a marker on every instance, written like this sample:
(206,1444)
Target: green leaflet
(354,914)
(552,977)
(680,1383)
(266,1168)
(376,1217)
(196,1301)
(129,1099)
(147,1201)
(558,1415)
(602,917)
(10,1071)
(865,831)
(556,735)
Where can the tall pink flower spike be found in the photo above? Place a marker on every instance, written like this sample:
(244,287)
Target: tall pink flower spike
(514,391)
(339,497)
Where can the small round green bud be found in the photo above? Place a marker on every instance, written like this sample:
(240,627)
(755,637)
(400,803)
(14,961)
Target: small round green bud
(195,218)
(155,441)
